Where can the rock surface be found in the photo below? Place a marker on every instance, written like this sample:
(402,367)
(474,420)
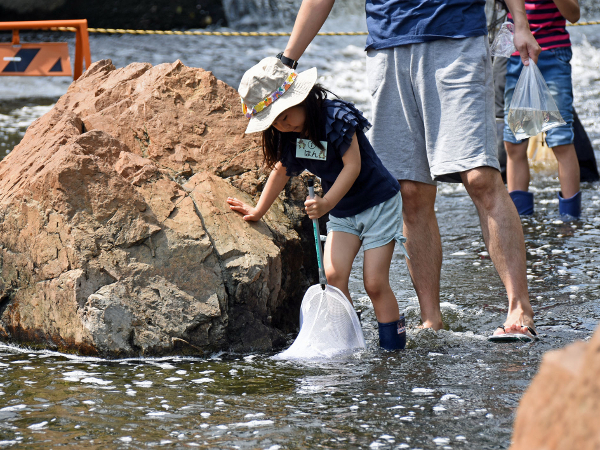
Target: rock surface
(561,408)
(115,237)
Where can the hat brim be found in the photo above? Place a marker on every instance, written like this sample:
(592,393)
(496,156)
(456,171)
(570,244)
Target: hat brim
(293,96)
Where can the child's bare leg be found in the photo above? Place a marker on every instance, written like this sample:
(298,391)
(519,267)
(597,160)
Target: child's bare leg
(517,166)
(376,275)
(340,250)
(568,169)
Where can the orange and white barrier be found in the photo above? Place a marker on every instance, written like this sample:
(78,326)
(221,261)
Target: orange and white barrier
(45,58)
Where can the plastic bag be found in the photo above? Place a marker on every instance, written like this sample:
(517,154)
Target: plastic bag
(532,109)
(503,44)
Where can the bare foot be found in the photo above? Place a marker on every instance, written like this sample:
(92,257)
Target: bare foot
(434,326)
(517,323)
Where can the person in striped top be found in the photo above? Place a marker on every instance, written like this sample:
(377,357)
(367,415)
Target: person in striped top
(547,21)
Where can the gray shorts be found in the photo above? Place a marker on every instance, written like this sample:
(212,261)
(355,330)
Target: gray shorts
(376,226)
(433,108)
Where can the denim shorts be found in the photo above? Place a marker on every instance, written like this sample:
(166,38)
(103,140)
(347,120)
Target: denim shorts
(376,226)
(555,66)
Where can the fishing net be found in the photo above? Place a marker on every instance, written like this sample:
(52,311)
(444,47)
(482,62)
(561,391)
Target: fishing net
(329,326)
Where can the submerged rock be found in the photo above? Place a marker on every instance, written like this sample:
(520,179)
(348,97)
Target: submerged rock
(561,407)
(115,237)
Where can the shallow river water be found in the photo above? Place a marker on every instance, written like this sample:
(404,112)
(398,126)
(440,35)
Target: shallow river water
(448,390)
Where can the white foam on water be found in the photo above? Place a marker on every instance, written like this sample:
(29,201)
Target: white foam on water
(441,441)
(254,423)
(203,380)
(94,380)
(145,383)
(422,391)
(13,408)
(38,426)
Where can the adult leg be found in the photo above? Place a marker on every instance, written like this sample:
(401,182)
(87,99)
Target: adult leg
(376,276)
(424,247)
(503,235)
(517,166)
(340,250)
(398,137)
(568,169)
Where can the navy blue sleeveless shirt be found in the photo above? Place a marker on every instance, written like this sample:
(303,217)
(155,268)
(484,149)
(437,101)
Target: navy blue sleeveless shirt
(374,184)
(400,22)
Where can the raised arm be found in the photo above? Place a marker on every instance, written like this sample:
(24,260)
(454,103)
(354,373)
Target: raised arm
(310,19)
(523,39)
(275,184)
(569,9)
(317,207)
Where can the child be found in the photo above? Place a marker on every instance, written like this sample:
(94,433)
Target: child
(302,129)
(547,21)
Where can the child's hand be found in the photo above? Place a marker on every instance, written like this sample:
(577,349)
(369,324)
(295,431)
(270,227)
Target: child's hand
(317,207)
(249,213)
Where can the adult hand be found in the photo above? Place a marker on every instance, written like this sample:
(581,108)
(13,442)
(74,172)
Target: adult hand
(526,45)
(316,207)
(249,213)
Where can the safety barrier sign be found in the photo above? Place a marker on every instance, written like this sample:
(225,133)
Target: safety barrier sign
(49,58)
(45,58)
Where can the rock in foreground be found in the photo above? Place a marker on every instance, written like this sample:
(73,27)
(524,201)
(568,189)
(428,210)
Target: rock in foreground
(561,408)
(115,237)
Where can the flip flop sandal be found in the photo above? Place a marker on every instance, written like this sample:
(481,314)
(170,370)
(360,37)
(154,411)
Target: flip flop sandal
(514,337)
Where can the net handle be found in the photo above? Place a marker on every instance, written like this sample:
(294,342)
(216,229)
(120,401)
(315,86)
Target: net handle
(322,278)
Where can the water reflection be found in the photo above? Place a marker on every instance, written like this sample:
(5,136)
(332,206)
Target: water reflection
(450,389)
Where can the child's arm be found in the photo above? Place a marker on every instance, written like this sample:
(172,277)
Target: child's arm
(569,9)
(523,39)
(317,207)
(275,184)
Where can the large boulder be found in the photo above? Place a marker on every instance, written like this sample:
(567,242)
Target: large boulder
(115,236)
(561,408)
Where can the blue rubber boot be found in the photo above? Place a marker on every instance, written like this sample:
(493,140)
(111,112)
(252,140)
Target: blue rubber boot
(570,207)
(523,200)
(392,335)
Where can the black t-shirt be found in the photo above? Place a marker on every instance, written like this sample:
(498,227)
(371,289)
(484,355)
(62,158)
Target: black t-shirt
(374,184)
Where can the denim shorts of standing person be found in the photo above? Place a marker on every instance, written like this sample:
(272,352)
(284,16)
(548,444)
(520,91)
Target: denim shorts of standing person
(547,22)
(430,75)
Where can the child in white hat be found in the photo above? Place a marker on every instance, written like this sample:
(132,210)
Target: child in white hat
(304,130)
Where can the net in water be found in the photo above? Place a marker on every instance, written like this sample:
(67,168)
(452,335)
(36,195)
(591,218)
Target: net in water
(329,326)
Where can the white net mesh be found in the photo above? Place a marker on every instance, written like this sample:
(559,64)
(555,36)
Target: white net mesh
(329,326)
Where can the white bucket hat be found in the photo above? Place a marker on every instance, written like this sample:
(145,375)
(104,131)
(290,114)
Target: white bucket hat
(269,88)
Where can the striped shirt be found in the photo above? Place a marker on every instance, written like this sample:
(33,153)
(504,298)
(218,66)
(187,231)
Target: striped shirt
(546,23)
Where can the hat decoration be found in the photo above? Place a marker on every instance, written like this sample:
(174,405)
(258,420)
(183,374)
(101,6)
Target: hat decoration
(270,98)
